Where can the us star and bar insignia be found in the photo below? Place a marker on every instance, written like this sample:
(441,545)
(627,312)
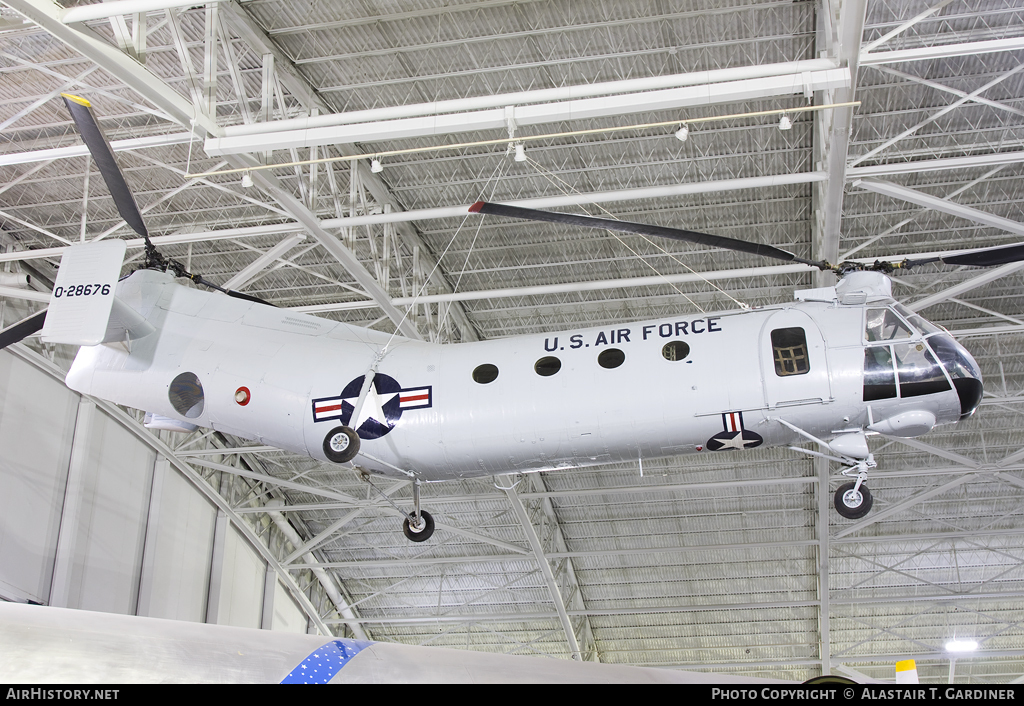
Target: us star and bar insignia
(734,436)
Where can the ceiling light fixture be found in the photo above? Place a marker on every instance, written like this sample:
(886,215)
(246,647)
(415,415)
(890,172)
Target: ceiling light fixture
(682,133)
(961,646)
(375,166)
(785,123)
(520,152)
(246,180)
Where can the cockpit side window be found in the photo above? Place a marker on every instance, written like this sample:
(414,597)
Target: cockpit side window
(879,374)
(789,348)
(920,373)
(884,325)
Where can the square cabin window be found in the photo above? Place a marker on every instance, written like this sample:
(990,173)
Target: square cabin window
(789,348)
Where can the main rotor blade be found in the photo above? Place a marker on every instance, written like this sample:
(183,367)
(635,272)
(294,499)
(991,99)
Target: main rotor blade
(199,279)
(689,236)
(99,148)
(985,257)
(22,329)
(988,256)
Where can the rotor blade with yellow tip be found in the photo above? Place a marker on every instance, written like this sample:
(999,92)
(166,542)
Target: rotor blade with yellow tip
(103,155)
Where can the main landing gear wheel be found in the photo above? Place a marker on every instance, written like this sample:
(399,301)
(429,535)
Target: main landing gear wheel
(853,504)
(421,534)
(341,445)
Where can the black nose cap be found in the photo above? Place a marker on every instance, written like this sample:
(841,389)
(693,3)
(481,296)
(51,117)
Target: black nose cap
(969,390)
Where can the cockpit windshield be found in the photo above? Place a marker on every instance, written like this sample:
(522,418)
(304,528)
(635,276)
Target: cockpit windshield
(916,320)
(884,325)
(954,358)
(962,369)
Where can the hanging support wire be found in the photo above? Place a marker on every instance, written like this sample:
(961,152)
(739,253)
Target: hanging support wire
(365,477)
(560,184)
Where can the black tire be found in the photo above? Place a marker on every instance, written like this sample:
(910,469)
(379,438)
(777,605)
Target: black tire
(341,445)
(853,507)
(423,534)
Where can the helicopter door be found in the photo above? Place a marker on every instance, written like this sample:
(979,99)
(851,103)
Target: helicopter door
(793,360)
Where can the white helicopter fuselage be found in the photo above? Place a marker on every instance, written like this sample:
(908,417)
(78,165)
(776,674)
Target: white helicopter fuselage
(692,383)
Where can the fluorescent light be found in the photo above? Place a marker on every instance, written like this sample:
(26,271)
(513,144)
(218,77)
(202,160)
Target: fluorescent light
(961,646)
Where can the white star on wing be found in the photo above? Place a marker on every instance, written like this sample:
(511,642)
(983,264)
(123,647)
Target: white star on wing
(373,407)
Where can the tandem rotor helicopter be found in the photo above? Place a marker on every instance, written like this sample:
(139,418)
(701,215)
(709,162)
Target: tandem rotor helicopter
(833,367)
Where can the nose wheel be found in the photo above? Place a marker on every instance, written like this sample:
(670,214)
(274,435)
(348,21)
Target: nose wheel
(853,500)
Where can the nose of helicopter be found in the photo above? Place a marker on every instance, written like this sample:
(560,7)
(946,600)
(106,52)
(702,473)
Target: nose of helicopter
(967,380)
(963,371)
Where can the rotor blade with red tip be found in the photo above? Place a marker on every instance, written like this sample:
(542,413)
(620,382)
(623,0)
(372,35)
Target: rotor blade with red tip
(689,236)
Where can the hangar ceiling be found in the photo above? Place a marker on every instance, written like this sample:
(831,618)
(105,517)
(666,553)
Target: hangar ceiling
(723,563)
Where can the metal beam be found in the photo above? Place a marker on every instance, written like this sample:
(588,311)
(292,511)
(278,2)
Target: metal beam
(973,283)
(83,40)
(103,10)
(564,93)
(905,193)
(941,51)
(936,115)
(545,568)
(905,26)
(933,165)
(135,143)
(533,114)
(45,14)
(878,515)
(263,261)
(291,78)
(833,139)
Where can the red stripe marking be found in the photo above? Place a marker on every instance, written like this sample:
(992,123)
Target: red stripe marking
(332,408)
(416,398)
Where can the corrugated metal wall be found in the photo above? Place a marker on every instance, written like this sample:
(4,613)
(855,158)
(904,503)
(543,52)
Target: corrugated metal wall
(92,517)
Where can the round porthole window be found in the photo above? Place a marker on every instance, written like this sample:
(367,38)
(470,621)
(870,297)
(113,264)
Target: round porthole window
(611,358)
(675,350)
(547,366)
(485,373)
(186,395)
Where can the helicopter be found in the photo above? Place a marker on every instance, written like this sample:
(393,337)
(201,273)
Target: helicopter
(833,367)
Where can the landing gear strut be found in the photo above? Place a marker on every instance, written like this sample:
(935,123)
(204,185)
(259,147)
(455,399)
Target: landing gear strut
(419,525)
(853,499)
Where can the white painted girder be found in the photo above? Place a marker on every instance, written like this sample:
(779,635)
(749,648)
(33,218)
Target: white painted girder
(533,114)
(80,38)
(905,193)
(565,93)
(941,51)
(549,578)
(263,261)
